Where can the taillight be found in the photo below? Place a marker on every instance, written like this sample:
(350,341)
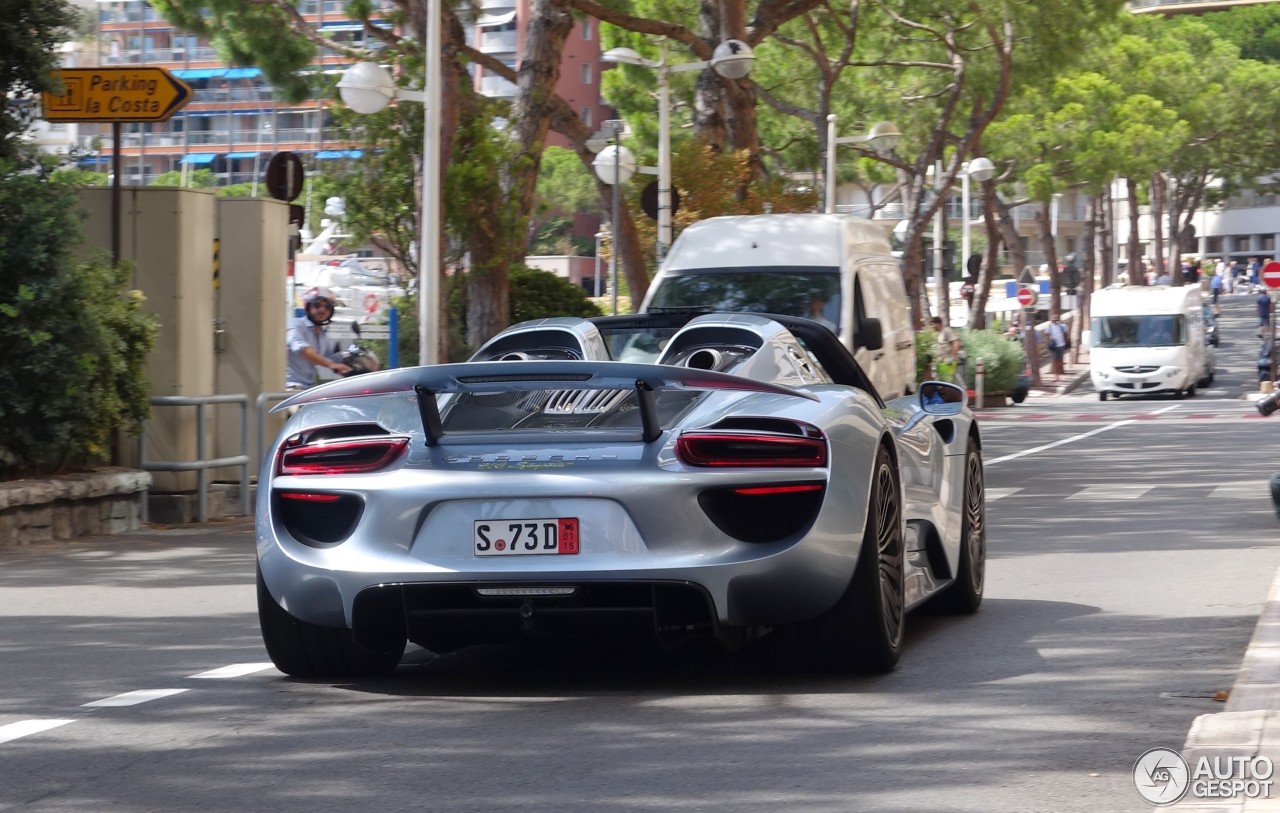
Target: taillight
(345,456)
(752,449)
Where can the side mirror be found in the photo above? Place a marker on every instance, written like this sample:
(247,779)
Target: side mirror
(941,398)
(869,334)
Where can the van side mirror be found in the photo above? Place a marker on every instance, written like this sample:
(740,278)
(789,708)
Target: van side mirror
(869,334)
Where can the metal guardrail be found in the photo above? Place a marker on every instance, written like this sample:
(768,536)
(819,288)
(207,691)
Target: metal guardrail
(201,465)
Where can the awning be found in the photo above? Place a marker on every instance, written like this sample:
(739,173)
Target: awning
(242,155)
(95,159)
(490,20)
(199,158)
(328,155)
(217,73)
(197,73)
(233,111)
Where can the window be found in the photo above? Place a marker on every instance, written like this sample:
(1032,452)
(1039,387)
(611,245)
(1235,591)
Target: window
(586,74)
(586,116)
(586,30)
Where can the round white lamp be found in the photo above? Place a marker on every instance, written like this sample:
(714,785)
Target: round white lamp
(614,165)
(366,87)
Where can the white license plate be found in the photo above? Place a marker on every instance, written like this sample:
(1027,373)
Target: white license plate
(524,537)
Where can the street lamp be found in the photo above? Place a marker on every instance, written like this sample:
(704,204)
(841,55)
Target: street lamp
(884,136)
(614,165)
(731,59)
(366,87)
(980,169)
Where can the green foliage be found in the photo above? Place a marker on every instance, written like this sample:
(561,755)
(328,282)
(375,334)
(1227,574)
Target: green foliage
(30,33)
(79,177)
(1001,358)
(75,338)
(537,294)
(199,179)
(565,186)
(1255,30)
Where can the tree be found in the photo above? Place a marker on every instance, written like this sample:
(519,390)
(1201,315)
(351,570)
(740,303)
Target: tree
(30,32)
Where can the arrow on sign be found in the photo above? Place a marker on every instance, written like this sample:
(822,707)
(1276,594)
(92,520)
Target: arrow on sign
(116,94)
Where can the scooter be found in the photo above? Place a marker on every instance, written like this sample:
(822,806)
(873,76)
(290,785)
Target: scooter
(358,357)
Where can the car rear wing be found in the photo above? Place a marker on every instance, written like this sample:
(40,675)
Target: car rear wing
(528,376)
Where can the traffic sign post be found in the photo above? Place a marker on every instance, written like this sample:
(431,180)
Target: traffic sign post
(1271,274)
(1271,278)
(117,95)
(1027,296)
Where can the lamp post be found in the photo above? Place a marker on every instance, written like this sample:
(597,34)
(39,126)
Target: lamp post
(980,169)
(883,137)
(614,165)
(732,59)
(366,87)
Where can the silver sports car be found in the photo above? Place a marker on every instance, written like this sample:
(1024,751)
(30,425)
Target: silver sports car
(720,475)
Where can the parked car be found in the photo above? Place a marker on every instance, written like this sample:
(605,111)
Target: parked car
(743,477)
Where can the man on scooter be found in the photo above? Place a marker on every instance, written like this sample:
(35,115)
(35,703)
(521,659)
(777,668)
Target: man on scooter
(309,346)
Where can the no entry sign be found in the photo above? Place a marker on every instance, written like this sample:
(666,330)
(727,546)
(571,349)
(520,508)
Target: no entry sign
(1271,274)
(1028,296)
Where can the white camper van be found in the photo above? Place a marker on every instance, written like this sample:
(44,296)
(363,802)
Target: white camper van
(835,268)
(1148,339)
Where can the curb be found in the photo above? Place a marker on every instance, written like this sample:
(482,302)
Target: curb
(1250,725)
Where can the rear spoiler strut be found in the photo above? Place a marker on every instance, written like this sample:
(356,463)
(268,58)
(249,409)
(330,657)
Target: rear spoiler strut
(505,376)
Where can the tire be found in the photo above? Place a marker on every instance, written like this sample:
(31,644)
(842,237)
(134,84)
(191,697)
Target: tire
(863,631)
(1191,391)
(305,650)
(964,595)
(1102,396)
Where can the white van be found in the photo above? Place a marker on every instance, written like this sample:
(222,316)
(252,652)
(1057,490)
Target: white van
(835,268)
(1148,339)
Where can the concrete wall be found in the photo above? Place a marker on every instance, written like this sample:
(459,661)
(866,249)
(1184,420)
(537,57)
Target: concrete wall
(250,356)
(167,233)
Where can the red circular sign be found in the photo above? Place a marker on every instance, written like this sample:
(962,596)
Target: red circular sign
(1027,297)
(1271,274)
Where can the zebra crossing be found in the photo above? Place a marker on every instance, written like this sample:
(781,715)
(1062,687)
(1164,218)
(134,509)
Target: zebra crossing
(1256,489)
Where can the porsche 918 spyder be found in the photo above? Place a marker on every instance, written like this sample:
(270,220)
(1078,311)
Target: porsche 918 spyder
(689,475)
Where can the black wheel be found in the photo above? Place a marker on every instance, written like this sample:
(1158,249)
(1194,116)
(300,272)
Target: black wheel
(1191,391)
(965,594)
(306,650)
(1102,396)
(863,631)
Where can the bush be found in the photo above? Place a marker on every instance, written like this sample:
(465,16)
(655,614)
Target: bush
(1001,358)
(75,338)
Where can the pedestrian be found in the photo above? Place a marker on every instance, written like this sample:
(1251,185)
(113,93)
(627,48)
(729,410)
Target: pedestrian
(1255,272)
(1215,285)
(1264,309)
(946,350)
(308,344)
(1059,344)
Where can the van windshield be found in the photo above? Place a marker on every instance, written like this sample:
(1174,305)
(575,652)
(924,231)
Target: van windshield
(788,290)
(1162,330)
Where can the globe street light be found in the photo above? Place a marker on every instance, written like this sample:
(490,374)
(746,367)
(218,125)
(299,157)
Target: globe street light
(731,59)
(614,165)
(366,87)
(980,169)
(884,136)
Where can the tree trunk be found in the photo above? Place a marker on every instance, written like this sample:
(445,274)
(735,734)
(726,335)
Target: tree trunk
(982,287)
(1136,271)
(1157,225)
(1106,239)
(1086,278)
(1051,260)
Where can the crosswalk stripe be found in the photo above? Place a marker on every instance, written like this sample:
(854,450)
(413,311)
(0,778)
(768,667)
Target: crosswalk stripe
(1000,493)
(27,727)
(1111,492)
(134,698)
(235,670)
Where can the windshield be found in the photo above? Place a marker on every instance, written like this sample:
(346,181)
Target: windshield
(788,290)
(1162,330)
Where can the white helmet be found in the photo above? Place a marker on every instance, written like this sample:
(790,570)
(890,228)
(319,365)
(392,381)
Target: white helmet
(317,293)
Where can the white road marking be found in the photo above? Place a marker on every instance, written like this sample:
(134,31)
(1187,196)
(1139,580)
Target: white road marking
(235,670)
(134,698)
(21,729)
(1247,489)
(994,494)
(1062,442)
(1166,409)
(1110,492)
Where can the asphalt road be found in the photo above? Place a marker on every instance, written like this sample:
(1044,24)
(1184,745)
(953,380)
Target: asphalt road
(1131,546)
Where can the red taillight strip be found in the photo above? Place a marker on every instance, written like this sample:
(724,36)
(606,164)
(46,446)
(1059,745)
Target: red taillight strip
(758,491)
(747,450)
(359,456)
(308,496)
